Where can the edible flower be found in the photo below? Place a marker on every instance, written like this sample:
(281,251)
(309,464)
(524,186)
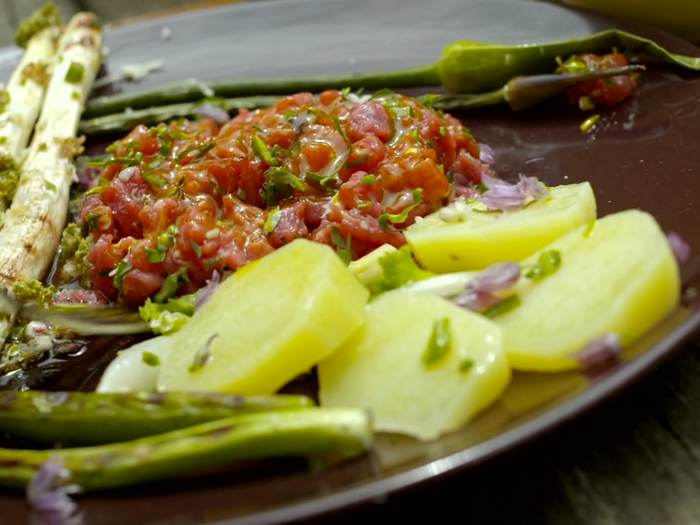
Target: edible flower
(48,493)
(598,351)
(502,195)
(479,293)
(679,247)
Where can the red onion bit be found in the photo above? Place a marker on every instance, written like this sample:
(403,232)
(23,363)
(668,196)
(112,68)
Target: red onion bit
(599,351)
(479,293)
(48,493)
(214,112)
(679,247)
(502,195)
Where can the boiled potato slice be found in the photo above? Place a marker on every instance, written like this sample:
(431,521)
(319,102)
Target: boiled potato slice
(381,367)
(463,236)
(258,331)
(621,277)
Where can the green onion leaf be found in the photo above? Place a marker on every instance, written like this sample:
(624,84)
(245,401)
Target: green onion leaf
(75,73)
(439,343)
(260,149)
(547,263)
(505,306)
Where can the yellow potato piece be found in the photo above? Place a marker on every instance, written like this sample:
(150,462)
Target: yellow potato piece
(381,367)
(463,236)
(621,278)
(260,330)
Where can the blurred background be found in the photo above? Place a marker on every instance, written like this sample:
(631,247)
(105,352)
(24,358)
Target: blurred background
(681,17)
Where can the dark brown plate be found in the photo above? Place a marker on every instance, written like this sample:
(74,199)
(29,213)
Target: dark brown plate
(642,153)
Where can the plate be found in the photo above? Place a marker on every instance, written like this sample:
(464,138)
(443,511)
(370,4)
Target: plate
(641,154)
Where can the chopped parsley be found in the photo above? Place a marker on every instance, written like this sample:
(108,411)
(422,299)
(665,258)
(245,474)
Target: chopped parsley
(170,285)
(262,151)
(388,220)
(33,291)
(119,272)
(398,268)
(39,20)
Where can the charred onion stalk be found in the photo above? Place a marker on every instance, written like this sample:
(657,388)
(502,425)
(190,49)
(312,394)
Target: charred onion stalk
(519,93)
(324,436)
(35,220)
(464,67)
(20,103)
(48,418)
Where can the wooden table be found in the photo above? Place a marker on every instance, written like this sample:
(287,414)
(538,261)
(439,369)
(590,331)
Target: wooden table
(633,461)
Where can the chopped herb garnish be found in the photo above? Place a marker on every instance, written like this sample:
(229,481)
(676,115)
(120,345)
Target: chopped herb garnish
(279,182)
(368,179)
(358,160)
(589,228)
(273,217)
(4,99)
(75,73)
(547,263)
(398,268)
(150,358)
(443,131)
(156,255)
(339,129)
(262,151)
(428,99)
(197,248)
(49,185)
(119,272)
(170,285)
(439,343)
(466,365)
(343,246)
(155,180)
(388,220)
(505,306)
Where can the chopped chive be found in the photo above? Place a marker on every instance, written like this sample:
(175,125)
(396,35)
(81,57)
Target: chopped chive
(439,343)
(150,358)
(75,73)
(547,263)
(506,305)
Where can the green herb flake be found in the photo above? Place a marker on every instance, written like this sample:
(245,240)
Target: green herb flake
(439,343)
(75,73)
(466,365)
(153,179)
(343,246)
(170,285)
(588,124)
(368,179)
(547,263)
(339,128)
(49,185)
(506,305)
(273,217)
(279,183)
(33,291)
(589,228)
(150,358)
(388,220)
(39,20)
(119,272)
(398,269)
(261,150)
(197,248)
(4,100)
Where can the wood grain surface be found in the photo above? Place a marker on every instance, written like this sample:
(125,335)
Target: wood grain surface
(633,461)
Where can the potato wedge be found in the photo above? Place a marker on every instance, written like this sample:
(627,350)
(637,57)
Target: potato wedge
(262,329)
(465,237)
(622,278)
(381,367)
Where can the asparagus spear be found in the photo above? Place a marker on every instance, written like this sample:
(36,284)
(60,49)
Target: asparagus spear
(323,435)
(80,418)
(519,93)
(33,225)
(464,67)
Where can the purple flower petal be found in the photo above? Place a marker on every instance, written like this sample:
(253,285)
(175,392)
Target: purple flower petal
(476,300)
(502,195)
(598,351)
(478,293)
(680,248)
(497,277)
(48,492)
(214,112)
(531,187)
(486,154)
